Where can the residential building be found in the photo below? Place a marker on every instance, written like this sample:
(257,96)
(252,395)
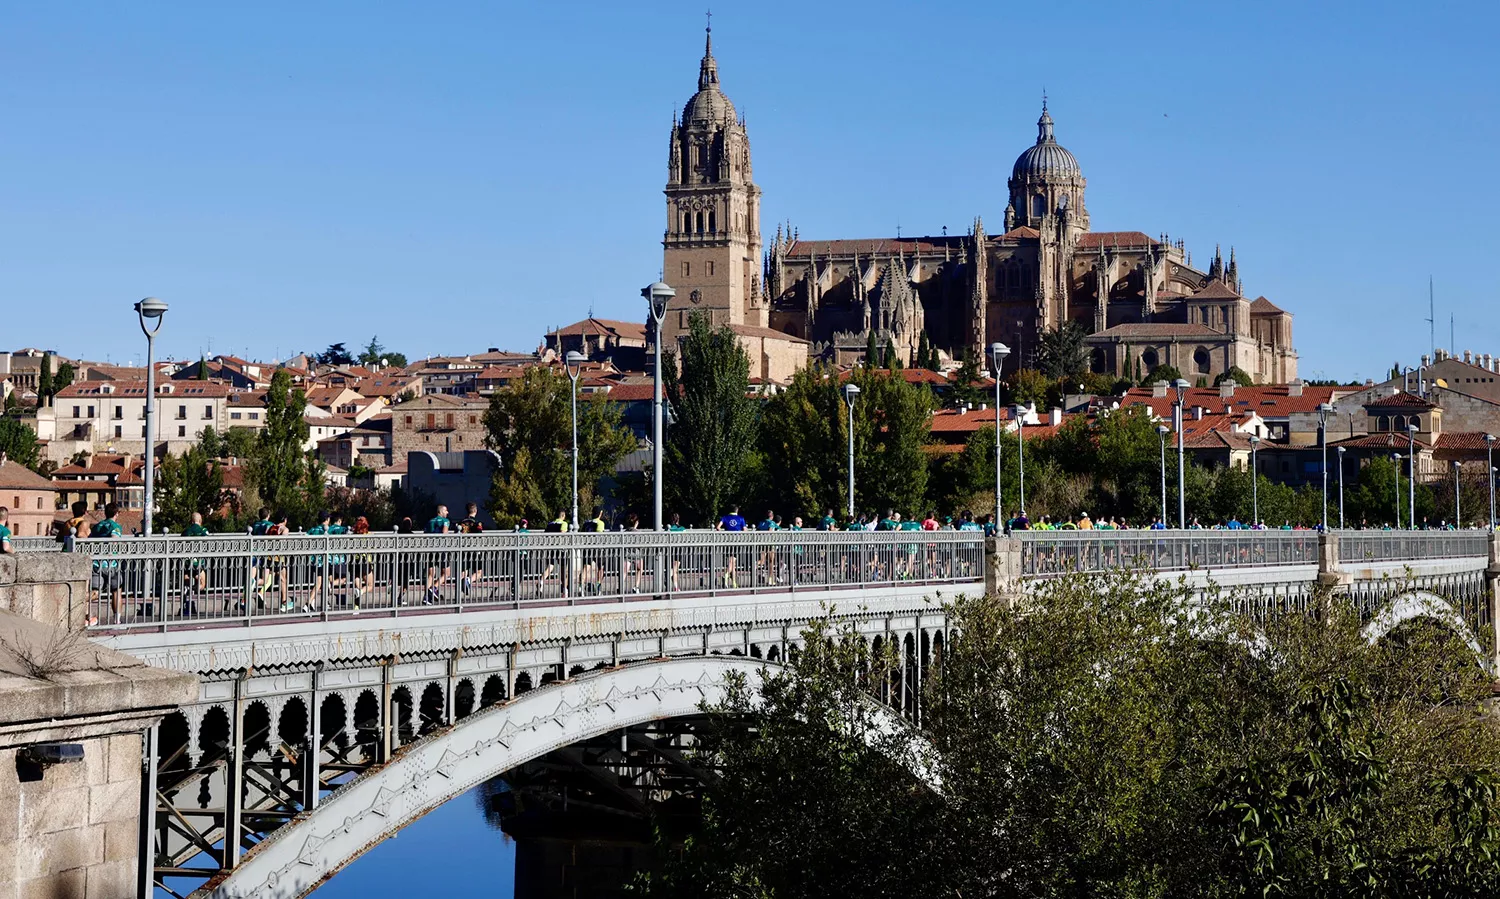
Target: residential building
(438,423)
(110,416)
(30,498)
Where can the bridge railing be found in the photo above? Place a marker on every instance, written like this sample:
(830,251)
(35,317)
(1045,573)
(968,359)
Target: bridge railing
(1056,552)
(1411,546)
(172,582)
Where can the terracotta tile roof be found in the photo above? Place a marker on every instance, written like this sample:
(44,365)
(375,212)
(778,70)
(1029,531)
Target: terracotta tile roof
(1381,440)
(1263,306)
(1216,290)
(15,476)
(1399,400)
(876,246)
(1021,233)
(209,389)
(393,468)
(626,330)
(1160,329)
(947,421)
(769,333)
(630,393)
(1461,440)
(1269,401)
(1095,239)
(83,486)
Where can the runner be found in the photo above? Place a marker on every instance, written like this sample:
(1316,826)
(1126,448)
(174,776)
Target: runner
(362,566)
(107,574)
(634,556)
(196,575)
(471,564)
(75,527)
(260,572)
(330,567)
(732,521)
(767,560)
(437,524)
(592,577)
(558,525)
(5,545)
(674,525)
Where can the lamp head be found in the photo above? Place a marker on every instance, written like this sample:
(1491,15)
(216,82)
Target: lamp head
(151,307)
(574,362)
(1163,430)
(999,351)
(1180,385)
(1342,449)
(1254,439)
(1323,410)
(1411,429)
(658,295)
(851,390)
(1489,438)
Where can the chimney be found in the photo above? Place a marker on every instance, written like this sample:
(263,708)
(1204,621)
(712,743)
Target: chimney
(1197,413)
(983,407)
(1055,416)
(1425,361)
(1159,389)
(1369,382)
(1468,358)
(1226,390)
(1294,388)
(1487,365)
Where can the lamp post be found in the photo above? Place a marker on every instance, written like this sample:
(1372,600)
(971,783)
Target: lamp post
(573,363)
(1020,412)
(1396,458)
(1458,518)
(998,352)
(153,309)
(1323,410)
(1254,483)
(1489,467)
(1181,386)
(1411,470)
(657,295)
(1341,487)
(1161,432)
(851,393)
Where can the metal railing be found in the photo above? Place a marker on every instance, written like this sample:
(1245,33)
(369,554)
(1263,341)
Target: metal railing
(161,582)
(1056,552)
(1410,546)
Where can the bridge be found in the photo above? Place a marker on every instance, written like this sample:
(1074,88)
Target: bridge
(348,685)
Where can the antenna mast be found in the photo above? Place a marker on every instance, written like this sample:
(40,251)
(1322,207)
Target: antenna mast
(1431,322)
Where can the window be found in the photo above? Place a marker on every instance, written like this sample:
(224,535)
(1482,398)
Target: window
(687,272)
(448,420)
(255,416)
(39,505)
(208,413)
(431,420)
(1201,360)
(408,421)
(234,416)
(143,432)
(473,419)
(16,501)
(1038,205)
(91,412)
(712,228)
(119,432)
(75,412)
(710,265)
(182,430)
(1383,423)
(1148,359)
(182,413)
(119,412)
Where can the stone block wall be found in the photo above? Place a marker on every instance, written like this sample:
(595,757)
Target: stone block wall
(73,832)
(48,587)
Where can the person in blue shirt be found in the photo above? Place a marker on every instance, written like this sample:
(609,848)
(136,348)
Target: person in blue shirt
(768,557)
(732,521)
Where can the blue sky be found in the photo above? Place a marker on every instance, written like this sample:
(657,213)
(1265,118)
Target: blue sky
(462,175)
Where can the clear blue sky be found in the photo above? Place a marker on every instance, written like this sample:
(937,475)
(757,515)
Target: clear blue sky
(461,175)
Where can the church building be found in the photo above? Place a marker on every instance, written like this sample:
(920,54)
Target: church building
(1139,298)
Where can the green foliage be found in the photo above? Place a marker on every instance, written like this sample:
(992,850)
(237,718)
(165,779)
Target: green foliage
(336,354)
(1061,352)
(191,482)
(1236,374)
(708,449)
(18,442)
(924,350)
(64,377)
(44,386)
(529,423)
(804,436)
(373,354)
(12,404)
(1371,494)
(1028,386)
(377,506)
(872,351)
(966,388)
(888,358)
(1163,372)
(892,423)
(202,368)
(1107,737)
(279,466)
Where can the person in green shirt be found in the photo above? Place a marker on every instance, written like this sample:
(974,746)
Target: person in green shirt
(333,568)
(591,576)
(437,524)
(5,545)
(107,574)
(196,576)
(828,523)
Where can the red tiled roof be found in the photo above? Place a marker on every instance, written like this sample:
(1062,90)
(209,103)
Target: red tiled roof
(628,330)
(1096,239)
(1161,329)
(138,388)
(1381,440)
(15,476)
(1269,401)
(1461,440)
(630,393)
(966,420)
(1021,233)
(876,246)
(758,331)
(1263,306)
(1399,400)
(1215,290)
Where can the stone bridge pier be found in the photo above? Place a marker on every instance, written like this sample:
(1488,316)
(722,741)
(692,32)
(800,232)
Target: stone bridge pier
(72,717)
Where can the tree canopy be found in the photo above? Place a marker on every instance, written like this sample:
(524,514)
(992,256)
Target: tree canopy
(708,448)
(1061,352)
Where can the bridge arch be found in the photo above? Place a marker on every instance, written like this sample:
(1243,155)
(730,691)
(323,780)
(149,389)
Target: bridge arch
(297,858)
(1416,604)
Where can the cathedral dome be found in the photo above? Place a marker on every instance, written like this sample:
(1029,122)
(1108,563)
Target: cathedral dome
(709,104)
(1046,159)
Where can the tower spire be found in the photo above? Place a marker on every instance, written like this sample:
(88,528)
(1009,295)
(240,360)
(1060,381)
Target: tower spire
(708,41)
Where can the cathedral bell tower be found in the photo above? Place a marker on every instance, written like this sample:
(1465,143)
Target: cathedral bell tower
(712,247)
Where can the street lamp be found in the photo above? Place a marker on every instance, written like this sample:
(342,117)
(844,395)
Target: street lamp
(1341,487)
(1323,410)
(998,352)
(1411,467)
(1254,483)
(1161,432)
(851,393)
(1181,386)
(573,364)
(1458,519)
(153,309)
(1020,412)
(1489,466)
(657,296)
(1396,458)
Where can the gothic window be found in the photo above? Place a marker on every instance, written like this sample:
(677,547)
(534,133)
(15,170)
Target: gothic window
(687,269)
(1398,423)
(1383,423)
(712,227)
(710,264)
(686,224)
(1097,362)
(1038,206)
(700,222)
(1201,360)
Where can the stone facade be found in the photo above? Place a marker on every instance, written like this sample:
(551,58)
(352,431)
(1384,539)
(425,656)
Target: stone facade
(437,423)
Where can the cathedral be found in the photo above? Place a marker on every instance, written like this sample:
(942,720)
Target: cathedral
(1139,298)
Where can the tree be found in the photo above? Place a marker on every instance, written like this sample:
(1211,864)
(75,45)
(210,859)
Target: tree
(966,389)
(191,482)
(1237,375)
(529,423)
(18,442)
(44,388)
(1061,352)
(1107,736)
(336,354)
(888,358)
(892,424)
(1163,372)
(373,355)
(872,351)
(708,448)
(64,377)
(803,439)
(279,464)
(202,368)
(923,349)
(1029,387)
